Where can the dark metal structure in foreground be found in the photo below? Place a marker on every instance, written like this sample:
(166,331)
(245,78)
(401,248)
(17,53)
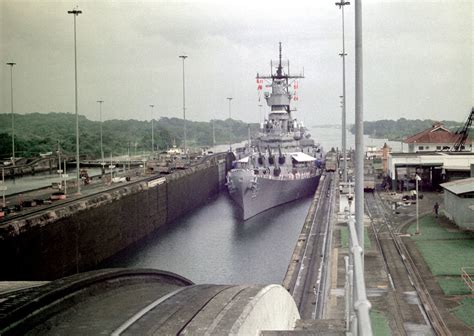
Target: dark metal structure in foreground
(144,302)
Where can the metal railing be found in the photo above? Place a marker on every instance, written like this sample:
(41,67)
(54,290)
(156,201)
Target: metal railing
(357,304)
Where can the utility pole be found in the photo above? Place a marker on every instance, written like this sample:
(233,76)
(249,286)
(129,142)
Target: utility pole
(184,103)
(152,133)
(213,133)
(11,64)
(101,144)
(76,12)
(341,5)
(230,125)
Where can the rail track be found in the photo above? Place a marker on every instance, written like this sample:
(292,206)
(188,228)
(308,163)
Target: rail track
(311,288)
(76,198)
(382,225)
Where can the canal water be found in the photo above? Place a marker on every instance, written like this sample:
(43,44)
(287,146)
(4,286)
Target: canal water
(211,245)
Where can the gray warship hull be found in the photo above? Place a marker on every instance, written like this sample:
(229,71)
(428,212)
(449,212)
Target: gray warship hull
(283,163)
(255,194)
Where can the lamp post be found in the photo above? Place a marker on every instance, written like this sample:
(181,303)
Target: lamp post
(152,132)
(3,188)
(341,5)
(184,103)
(11,64)
(417,178)
(76,12)
(359,126)
(230,125)
(101,144)
(261,121)
(213,133)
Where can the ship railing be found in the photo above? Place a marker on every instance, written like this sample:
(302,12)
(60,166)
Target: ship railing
(286,176)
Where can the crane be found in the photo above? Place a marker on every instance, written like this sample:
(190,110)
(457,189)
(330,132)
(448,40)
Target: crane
(463,133)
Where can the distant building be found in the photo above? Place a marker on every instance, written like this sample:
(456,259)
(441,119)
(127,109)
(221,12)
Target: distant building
(433,168)
(459,202)
(435,139)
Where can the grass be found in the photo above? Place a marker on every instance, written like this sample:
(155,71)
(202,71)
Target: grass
(465,311)
(345,238)
(453,286)
(431,230)
(446,257)
(379,324)
(445,252)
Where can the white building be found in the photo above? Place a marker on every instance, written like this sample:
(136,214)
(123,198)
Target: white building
(459,202)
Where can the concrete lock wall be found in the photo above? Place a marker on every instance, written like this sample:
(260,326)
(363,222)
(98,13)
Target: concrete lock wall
(79,237)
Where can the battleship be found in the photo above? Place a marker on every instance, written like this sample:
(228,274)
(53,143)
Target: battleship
(283,162)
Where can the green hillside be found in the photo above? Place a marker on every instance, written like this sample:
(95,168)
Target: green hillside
(40,132)
(401,128)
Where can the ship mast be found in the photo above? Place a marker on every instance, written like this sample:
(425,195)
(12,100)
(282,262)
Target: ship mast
(280,68)
(279,73)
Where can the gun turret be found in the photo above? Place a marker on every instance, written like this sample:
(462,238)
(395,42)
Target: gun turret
(271,158)
(281,157)
(260,156)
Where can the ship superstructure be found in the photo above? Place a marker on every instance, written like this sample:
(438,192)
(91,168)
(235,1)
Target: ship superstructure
(284,162)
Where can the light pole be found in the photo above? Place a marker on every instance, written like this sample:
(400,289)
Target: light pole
(3,188)
(261,119)
(341,5)
(417,178)
(359,126)
(152,132)
(184,103)
(230,126)
(76,12)
(11,64)
(213,133)
(101,144)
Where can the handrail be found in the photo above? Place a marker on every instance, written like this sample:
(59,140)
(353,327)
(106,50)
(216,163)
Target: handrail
(361,325)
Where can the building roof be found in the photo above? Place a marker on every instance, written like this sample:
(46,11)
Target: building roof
(460,186)
(436,134)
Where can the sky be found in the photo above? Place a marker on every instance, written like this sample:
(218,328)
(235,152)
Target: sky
(417,58)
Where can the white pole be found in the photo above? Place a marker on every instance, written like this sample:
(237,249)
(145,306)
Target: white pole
(111,168)
(184,105)
(359,123)
(341,5)
(76,12)
(100,117)
(152,133)
(230,126)
(213,133)
(3,187)
(11,64)
(59,159)
(65,179)
(417,178)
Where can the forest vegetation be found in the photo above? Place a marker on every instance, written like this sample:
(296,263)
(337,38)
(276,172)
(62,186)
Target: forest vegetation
(397,130)
(42,132)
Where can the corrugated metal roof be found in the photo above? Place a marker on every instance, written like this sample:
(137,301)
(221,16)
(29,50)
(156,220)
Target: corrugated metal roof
(460,186)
